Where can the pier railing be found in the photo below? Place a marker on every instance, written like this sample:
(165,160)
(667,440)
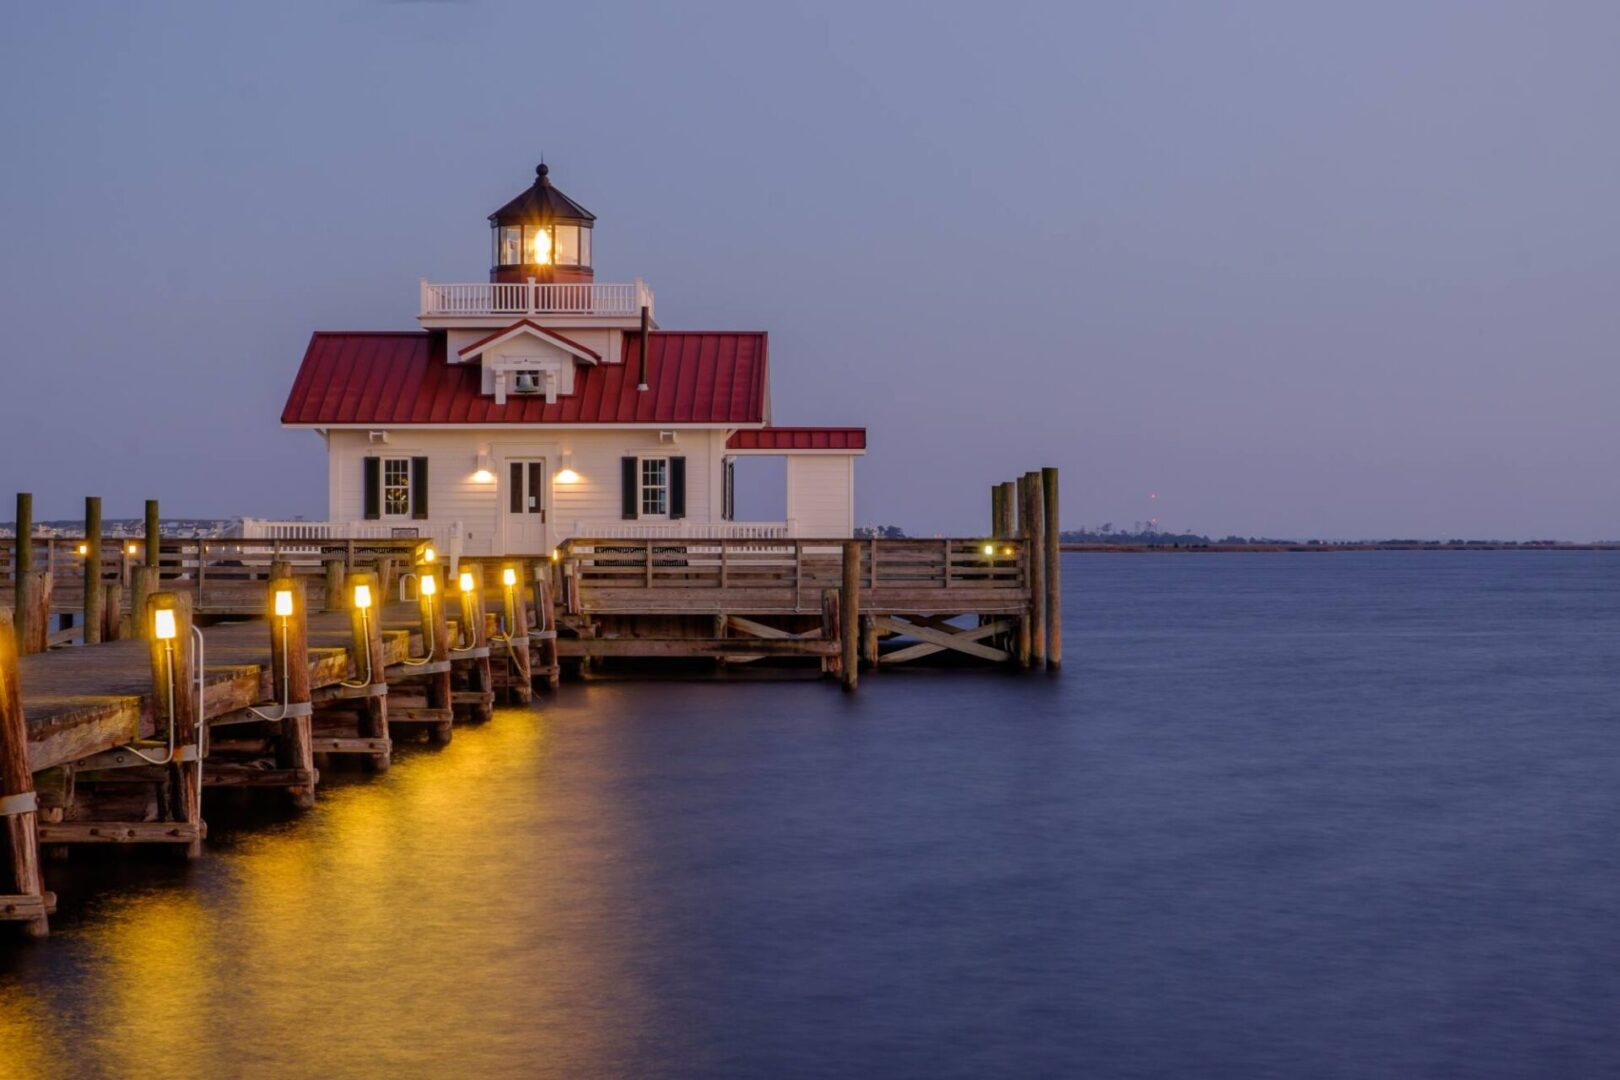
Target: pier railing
(534,298)
(224,575)
(607,574)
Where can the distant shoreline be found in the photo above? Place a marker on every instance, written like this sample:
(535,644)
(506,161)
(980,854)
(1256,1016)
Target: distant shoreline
(1194,549)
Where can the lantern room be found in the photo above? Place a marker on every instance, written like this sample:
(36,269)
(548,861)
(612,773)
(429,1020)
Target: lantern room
(541,235)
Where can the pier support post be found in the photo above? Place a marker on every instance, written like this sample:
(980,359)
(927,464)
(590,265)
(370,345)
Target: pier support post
(92,570)
(25,883)
(996,510)
(34,625)
(849,617)
(436,643)
(289,676)
(1034,518)
(546,622)
(174,699)
(1009,509)
(474,628)
(143,583)
(334,585)
(832,629)
(112,611)
(515,613)
(366,647)
(154,535)
(1054,569)
(23,600)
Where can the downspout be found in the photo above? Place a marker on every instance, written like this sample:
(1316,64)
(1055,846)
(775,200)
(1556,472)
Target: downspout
(646,320)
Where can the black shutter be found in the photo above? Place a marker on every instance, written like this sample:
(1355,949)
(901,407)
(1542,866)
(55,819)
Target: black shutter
(628,493)
(373,488)
(419,503)
(677,487)
(728,498)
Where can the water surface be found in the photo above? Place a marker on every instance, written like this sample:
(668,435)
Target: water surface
(1280,816)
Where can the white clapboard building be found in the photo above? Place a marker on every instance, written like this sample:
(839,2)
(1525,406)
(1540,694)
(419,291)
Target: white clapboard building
(543,405)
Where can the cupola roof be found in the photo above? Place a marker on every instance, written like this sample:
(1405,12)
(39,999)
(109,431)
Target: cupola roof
(542,202)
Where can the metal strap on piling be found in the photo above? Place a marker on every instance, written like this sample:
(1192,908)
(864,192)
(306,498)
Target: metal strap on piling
(11,805)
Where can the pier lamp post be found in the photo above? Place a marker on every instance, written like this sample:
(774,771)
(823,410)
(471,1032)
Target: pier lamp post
(509,582)
(466,632)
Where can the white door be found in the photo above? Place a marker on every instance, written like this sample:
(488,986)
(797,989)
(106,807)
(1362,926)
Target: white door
(525,503)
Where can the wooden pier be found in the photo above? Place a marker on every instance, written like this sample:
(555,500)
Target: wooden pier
(199,664)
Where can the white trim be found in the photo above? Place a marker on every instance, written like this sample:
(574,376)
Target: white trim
(551,338)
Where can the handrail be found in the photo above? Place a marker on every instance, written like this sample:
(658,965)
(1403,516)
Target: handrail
(534,298)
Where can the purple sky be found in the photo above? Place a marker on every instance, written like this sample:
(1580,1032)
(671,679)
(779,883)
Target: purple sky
(1300,270)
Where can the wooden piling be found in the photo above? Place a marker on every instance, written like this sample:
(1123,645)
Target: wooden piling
(546,623)
(832,630)
(515,612)
(335,570)
(92,570)
(112,613)
(1035,549)
(154,537)
(34,613)
(22,565)
(1054,569)
(480,679)
(1009,509)
(26,897)
(365,635)
(174,695)
(143,583)
(436,644)
(850,614)
(996,510)
(289,677)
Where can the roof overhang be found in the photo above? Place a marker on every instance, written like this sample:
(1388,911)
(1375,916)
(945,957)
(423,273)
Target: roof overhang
(524,327)
(797,441)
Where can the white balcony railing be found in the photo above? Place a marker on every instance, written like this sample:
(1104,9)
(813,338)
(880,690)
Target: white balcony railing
(533,298)
(683,530)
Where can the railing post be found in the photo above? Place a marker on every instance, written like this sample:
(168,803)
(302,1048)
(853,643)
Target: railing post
(17,800)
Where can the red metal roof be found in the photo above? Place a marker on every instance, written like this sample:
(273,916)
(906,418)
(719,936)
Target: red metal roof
(695,377)
(798,438)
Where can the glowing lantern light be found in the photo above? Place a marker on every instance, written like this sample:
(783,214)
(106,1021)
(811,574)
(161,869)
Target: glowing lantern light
(509,577)
(428,555)
(362,596)
(430,585)
(163,627)
(283,602)
(466,581)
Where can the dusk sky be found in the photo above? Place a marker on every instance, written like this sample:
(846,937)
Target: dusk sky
(1299,270)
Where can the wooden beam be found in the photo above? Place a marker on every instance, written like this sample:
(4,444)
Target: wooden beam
(933,640)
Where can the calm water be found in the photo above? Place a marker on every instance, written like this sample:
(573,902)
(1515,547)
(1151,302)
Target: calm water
(1282,815)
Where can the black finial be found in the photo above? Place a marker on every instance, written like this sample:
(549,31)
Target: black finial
(541,174)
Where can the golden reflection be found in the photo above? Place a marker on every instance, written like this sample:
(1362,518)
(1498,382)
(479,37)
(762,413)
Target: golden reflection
(465,913)
(29,1043)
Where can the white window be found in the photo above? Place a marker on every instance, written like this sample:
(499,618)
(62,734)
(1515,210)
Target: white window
(396,487)
(655,487)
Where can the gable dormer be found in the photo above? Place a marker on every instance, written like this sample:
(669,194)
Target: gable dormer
(527,359)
